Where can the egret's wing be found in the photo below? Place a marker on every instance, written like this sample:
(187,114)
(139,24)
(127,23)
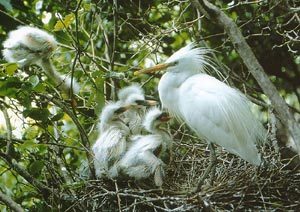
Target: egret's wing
(109,148)
(135,154)
(221,115)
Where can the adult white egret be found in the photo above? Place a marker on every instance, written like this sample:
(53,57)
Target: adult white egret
(215,111)
(134,95)
(29,45)
(112,141)
(147,153)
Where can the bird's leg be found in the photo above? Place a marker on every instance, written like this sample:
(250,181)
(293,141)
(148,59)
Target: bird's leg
(210,169)
(159,175)
(213,162)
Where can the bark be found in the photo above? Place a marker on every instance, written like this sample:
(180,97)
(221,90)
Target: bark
(10,203)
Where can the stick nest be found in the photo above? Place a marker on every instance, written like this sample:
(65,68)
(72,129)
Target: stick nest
(238,185)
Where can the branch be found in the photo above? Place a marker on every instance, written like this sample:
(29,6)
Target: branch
(15,166)
(83,135)
(8,129)
(10,203)
(213,13)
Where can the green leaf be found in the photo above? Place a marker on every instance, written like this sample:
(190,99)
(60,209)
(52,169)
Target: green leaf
(11,68)
(100,98)
(27,145)
(39,114)
(9,86)
(40,88)
(65,23)
(36,168)
(34,80)
(6,4)
(57,117)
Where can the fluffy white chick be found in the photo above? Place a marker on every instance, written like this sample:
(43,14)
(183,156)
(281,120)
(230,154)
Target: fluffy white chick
(134,95)
(29,45)
(112,141)
(145,156)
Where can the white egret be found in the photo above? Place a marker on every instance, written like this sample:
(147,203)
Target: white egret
(29,45)
(134,95)
(112,142)
(216,112)
(147,153)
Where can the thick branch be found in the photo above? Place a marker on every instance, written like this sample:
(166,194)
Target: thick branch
(215,14)
(10,203)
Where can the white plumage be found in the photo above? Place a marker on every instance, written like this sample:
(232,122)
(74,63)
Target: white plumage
(144,157)
(112,141)
(29,45)
(215,111)
(134,95)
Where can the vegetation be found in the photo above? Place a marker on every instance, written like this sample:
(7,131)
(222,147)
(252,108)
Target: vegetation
(45,136)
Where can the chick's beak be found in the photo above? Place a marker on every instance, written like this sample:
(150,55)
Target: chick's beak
(122,109)
(156,68)
(151,102)
(164,117)
(146,102)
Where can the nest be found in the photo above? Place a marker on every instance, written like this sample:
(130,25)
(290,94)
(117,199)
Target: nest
(237,185)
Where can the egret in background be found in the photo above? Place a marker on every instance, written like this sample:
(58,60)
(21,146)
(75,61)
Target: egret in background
(148,153)
(29,45)
(215,111)
(112,142)
(134,95)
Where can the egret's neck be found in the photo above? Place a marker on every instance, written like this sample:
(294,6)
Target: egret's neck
(168,90)
(155,130)
(105,125)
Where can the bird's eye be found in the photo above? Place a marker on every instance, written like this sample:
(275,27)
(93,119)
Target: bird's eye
(174,63)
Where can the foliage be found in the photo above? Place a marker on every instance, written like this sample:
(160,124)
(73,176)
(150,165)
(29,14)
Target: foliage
(101,44)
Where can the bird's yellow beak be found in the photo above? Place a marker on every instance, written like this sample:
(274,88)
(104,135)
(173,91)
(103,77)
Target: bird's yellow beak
(150,102)
(156,68)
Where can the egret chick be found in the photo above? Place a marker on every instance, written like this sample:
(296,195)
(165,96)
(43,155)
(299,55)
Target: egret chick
(29,45)
(147,153)
(111,143)
(26,45)
(215,111)
(134,95)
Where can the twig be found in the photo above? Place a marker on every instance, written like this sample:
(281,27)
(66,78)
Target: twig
(36,183)
(8,129)
(83,135)
(10,203)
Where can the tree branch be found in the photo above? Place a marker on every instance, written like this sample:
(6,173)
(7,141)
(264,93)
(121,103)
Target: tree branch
(10,203)
(8,129)
(83,135)
(286,117)
(15,166)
